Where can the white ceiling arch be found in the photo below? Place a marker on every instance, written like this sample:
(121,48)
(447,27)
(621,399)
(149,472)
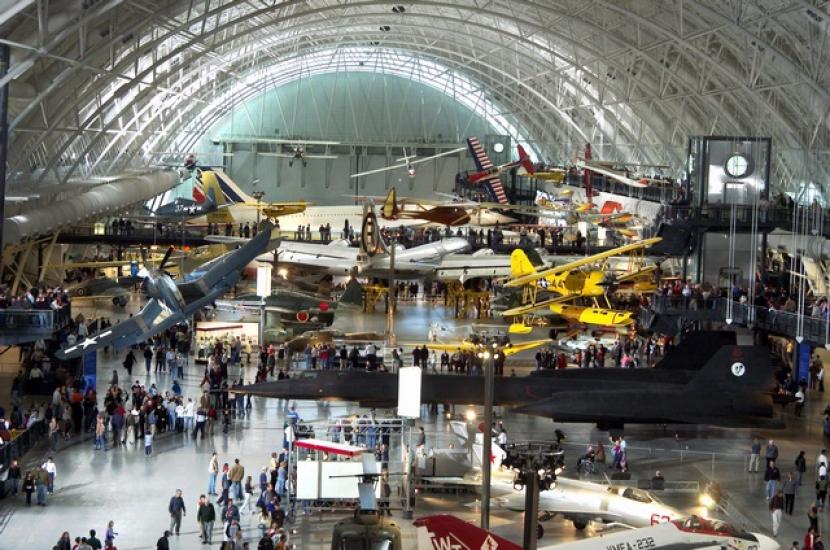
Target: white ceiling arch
(95,82)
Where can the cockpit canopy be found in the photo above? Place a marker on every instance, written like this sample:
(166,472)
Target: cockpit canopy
(698,524)
(631,493)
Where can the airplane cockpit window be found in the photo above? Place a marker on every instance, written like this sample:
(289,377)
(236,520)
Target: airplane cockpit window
(692,523)
(636,494)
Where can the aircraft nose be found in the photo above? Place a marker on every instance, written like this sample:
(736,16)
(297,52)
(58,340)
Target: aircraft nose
(766,543)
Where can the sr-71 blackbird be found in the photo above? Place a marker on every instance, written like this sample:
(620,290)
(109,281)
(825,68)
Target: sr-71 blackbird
(706,379)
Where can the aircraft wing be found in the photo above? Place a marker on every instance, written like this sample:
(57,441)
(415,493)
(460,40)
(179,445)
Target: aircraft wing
(570,266)
(524,346)
(614,175)
(153,318)
(379,170)
(92,263)
(529,308)
(226,269)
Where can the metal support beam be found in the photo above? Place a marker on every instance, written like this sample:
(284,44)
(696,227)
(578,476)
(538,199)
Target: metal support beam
(47,258)
(4,134)
(22,260)
(487,437)
(531,518)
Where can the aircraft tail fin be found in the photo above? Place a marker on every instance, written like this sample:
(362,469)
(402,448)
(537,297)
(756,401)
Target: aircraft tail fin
(353,296)
(445,531)
(213,188)
(209,197)
(390,205)
(520,264)
(497,454)
(524,160)
(735,368)
(232,193)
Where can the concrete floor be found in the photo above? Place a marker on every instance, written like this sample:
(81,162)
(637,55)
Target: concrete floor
(122,485)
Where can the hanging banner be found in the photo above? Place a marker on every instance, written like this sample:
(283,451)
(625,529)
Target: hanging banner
(805,353)
(90,373)
(409,392)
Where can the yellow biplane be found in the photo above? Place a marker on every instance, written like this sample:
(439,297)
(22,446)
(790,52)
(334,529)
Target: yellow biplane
(569,282)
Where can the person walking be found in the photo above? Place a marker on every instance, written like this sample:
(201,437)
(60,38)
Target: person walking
(213,471)
(771,452)
(249,492)
(236,475)
(800,467)
(812,517)
(14,477)
(772,476)
(821,492)
(788,488)
(51,470)
(776,506)
(163,543)
(110,534)
(41,482)
(206,516)
(177,510)
(754,456)
(28,488)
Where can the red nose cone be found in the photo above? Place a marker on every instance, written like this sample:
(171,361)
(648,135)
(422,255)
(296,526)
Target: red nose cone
(324,306)
(302,316)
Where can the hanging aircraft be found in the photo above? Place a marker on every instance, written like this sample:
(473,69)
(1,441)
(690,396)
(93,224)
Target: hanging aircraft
(371,259)
(488,174)
(234,206)
(408,163)
(171,303)
(706,379)
(569,282)
(294,215)
(693,533)
(297,308)
(297,152)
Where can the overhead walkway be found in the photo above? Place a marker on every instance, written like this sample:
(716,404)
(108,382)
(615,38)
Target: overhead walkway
(669,314)
(18,326)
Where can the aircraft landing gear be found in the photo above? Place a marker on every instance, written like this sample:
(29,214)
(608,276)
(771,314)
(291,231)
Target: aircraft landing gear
(545,516)
(580,525)
(540,531)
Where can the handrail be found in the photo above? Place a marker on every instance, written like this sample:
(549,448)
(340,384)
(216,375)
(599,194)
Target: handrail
(21,444)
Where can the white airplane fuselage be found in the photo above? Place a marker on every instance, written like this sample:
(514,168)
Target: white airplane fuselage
(336,216)
(597,502)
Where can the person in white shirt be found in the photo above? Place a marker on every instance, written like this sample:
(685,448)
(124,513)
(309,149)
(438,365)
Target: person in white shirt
(821,463)
(83,331)
(52,472)
(188,415)
(432,362)
(502,438)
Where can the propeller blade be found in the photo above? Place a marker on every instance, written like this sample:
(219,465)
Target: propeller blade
(165,258)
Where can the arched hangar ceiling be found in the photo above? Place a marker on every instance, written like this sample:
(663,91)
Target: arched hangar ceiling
(95,81)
